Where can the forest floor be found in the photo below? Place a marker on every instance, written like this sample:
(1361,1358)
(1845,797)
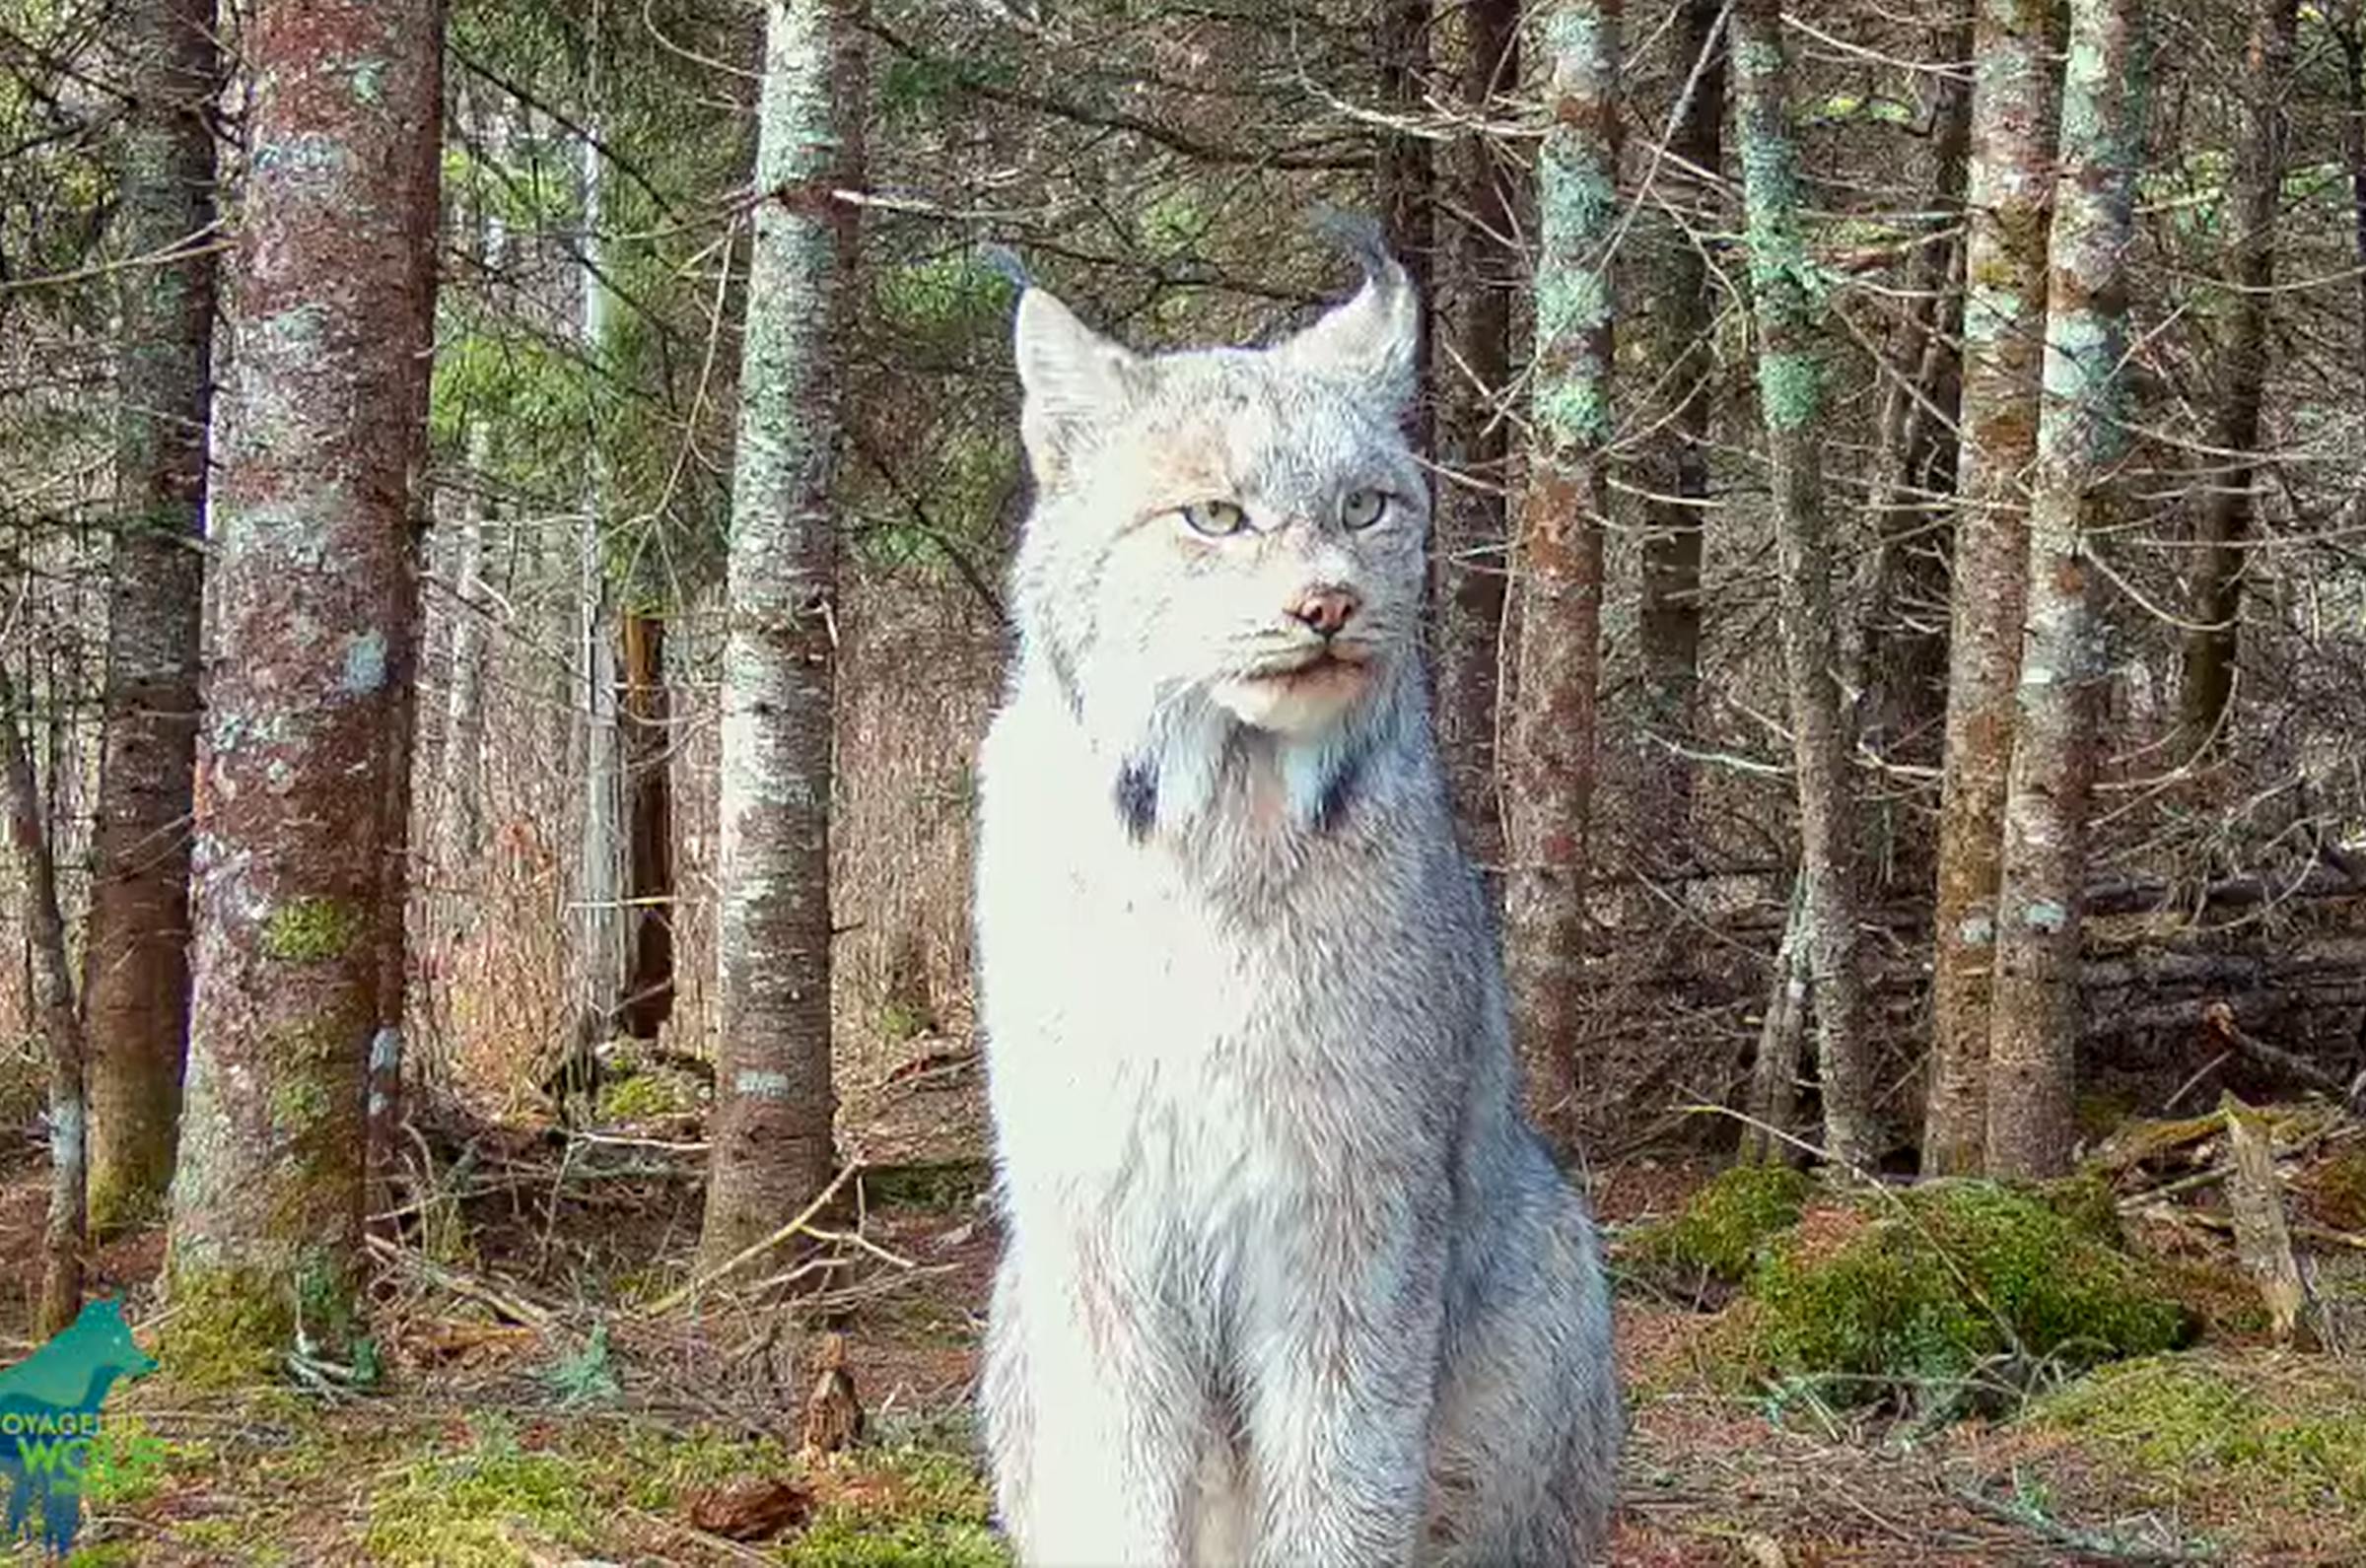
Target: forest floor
(543,1404)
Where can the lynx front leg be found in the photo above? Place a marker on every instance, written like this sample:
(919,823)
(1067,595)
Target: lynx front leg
(1338,1404)
(1089,1410)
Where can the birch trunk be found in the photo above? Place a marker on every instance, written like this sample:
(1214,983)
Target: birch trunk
(2034,1031)
(137,941)
(1469,373)
(599,836)
(2214,598)
(315,511)
(1790,384)
(2009,190)
(771,1139)
(1685,352)
(60,1025)
(1550,780)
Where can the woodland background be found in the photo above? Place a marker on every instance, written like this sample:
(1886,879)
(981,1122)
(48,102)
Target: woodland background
(1900,623)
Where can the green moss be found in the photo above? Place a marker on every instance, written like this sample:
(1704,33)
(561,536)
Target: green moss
(923,1508)
(2278,1428)
(1727,1224)
(227,1326)
(122,1199)
(128,1464)
(1574,411)
(643,1096)
(487,1506)
(312,930)
(1971,1280)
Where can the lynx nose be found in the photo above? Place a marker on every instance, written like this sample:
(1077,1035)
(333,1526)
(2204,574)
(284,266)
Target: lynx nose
(1325,609)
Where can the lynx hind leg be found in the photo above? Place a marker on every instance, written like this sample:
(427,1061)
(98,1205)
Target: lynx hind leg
(1524,1464)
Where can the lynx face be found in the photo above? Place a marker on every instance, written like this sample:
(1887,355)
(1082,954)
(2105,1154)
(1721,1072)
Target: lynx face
(1229,531)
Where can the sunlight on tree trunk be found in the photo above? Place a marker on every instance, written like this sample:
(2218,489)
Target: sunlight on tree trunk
(2034,1034)
(772,1143)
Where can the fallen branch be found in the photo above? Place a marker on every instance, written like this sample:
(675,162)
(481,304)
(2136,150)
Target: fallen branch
(700,1281)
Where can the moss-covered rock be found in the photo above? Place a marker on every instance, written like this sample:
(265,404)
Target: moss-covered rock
(1959,1283)
(1725,1227)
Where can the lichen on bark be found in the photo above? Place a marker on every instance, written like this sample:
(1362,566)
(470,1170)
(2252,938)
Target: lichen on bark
(1548,770)
(301,761)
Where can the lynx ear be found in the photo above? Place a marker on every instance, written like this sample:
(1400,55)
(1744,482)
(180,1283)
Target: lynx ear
(1374,340)
(1076,381)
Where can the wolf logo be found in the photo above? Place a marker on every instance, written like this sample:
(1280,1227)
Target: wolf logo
(49,1414)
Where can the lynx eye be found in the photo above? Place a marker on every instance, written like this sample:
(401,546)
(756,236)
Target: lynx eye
(1361,509)
(1216,518)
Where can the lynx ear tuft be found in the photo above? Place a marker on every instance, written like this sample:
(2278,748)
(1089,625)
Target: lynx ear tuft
(1373,340)
(1075,382)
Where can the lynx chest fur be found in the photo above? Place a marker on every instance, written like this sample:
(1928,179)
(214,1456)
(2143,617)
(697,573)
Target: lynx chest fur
(1286,1278)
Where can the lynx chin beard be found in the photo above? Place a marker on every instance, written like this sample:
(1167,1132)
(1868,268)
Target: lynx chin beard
(1303,698)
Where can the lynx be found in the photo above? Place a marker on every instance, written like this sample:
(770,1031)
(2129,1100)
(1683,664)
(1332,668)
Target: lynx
(1288,1279)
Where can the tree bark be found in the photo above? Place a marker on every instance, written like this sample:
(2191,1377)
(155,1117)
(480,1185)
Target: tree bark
(1405,171)
(1471,369)
(2005,311)
(1790,382)
(774,1103)
(2034,1031)
(600,846)
(1775,1070)
(1548,785)
(644,713)
(1683,321)
(137,941)
(2214,597)
(1900,656)
(61,1024)
(2351,36)
(315,523)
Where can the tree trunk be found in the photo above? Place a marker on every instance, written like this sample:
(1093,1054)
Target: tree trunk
(60,1025)
(1683,322)
(315,520)
(600,846)
(774,1104)
(1469,373)
(137,941)
(2351,36)
(1900,656)
(2214,598)
(1404,173)
(1775,1070)
(460,812)
(1790,384)
(1549,784)
(645,712)
(2034,1033)
(2004,311)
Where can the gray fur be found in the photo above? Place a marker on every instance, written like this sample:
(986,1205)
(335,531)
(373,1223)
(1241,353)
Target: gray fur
(1288,1278)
